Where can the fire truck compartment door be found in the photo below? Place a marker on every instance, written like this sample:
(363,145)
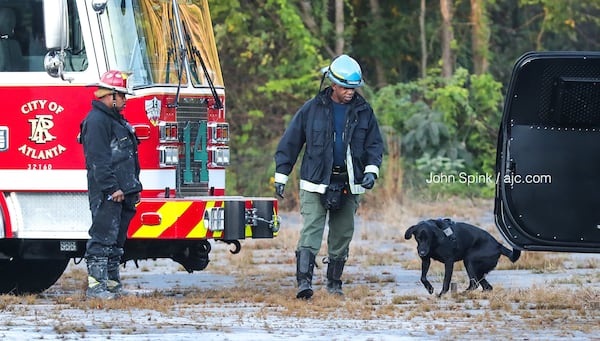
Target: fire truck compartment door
(548,154)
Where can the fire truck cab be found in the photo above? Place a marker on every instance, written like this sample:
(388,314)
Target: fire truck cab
(51,51)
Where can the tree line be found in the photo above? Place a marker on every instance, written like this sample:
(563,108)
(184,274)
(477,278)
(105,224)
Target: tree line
(435,71)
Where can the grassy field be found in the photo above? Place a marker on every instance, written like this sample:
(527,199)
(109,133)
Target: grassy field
(251,295)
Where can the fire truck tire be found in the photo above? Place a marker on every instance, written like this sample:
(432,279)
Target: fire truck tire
(29,276)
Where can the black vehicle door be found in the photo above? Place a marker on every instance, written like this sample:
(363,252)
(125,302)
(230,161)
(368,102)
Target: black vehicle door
(548,154)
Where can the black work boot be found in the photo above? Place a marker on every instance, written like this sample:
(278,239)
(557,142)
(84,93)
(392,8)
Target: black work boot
(97,278)
(335,267)
(113,283)
(305,262)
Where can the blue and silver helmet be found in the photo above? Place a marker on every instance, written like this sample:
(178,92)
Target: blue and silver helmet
(346,72)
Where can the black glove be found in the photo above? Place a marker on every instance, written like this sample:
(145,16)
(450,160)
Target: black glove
(279,188)
(368,180)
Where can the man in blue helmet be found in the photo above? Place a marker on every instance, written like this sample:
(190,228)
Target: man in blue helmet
(342,157)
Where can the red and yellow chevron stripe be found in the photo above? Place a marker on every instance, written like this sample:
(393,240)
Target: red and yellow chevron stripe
(179,219)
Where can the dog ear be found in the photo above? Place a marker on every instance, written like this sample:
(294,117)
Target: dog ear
(410,232)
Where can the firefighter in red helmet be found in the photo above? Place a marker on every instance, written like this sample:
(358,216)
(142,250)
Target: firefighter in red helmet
(110,148)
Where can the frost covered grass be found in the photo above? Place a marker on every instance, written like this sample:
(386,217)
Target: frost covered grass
(251,295)
(566,312)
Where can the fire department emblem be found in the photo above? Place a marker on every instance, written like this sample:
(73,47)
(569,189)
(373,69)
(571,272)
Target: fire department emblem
(153,110)
(40,129)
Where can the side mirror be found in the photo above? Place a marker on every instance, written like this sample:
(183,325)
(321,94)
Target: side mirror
(56,24)
(99,5)
(56,27)
(54,62)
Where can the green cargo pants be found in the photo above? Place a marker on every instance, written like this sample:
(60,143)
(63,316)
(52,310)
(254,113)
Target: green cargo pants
(341,224)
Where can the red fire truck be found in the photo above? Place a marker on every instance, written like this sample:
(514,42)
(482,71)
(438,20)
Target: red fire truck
(50,52)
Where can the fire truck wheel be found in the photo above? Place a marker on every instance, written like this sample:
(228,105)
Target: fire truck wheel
(29,276)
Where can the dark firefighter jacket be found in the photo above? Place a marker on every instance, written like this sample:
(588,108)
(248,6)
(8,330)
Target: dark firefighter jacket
(312,126)
(111,151)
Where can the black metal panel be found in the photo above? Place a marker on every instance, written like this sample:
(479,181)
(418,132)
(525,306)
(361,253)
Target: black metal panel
(551,126)
(235,220)
(264,210)
(191,111)
(557,197)
(576,102)
(544,89)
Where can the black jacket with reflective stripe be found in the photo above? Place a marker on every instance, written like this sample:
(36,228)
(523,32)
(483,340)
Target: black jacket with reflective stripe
(312,128)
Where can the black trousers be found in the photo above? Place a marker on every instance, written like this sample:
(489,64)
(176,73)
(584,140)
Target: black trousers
(110,221)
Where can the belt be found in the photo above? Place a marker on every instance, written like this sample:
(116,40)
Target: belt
(339,175)
(338,170)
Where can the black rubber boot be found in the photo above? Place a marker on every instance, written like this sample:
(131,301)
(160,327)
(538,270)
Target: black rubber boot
(335,267)
(113,283)
(305,263)
(97,278)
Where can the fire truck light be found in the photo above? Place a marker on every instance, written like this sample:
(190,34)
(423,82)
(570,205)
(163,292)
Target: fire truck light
(3,138)
(218,132)
(168,156)
(167,132)
(223,133)
(151,218)
(220,156)
(142,131)
(214,219)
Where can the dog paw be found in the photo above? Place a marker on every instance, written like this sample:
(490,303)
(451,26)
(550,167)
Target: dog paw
(442,293)
(429,289)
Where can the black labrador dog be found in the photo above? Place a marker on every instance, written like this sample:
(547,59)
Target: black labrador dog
(447,242)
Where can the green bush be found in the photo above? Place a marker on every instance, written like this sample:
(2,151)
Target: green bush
(446,127)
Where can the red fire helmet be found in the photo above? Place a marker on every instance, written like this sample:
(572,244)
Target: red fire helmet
(115,80)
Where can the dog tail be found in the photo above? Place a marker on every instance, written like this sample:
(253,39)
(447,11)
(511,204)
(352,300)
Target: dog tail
(512,255)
